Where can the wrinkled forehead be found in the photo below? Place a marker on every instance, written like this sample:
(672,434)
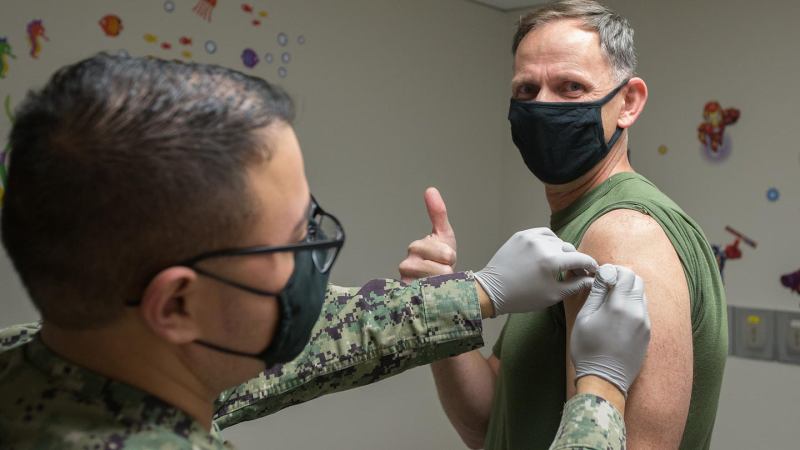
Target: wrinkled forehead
(565,44)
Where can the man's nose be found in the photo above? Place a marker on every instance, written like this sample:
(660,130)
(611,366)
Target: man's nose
(547,95)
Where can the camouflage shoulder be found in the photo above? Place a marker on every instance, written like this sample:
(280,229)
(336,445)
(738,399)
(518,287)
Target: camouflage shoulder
(17,335)
(590,422)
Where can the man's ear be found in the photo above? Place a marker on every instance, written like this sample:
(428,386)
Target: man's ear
(633,102)
(164,308)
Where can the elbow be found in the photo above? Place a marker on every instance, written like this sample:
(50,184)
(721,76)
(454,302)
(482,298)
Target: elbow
(473,437)
(474,445)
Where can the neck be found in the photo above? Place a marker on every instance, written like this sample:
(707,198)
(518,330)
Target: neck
(127,353)
(560,196)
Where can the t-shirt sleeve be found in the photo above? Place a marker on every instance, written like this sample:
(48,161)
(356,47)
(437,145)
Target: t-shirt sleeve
(498,346)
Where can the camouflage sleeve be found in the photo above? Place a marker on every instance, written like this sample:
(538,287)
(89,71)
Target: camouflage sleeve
(590,423)
(365,335)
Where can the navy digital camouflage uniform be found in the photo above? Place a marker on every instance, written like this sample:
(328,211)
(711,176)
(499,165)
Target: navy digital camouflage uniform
(364,335)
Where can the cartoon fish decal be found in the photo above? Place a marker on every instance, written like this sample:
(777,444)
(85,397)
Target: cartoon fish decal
(111,25)
(5,53)
(186,54)
(36,33)
(166,45)
(249,58)
(256,23)
(185,40)
(248,8)
(150,38)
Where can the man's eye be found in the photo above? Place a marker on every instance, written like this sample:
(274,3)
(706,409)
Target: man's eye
(573,87)
(526,92)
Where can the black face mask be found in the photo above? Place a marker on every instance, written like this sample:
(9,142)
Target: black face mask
(301,300)
(561,141)
(300,304)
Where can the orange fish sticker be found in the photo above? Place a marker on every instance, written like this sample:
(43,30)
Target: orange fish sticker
(111,25)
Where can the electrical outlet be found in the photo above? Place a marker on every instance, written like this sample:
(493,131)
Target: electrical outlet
(789,337)
(731,330)
(755,333)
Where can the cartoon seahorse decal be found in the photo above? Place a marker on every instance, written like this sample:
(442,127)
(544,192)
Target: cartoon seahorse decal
(36,33)
(5,53)
(4,153)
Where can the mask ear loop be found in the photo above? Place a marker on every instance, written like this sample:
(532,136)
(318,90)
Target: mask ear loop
(618,132)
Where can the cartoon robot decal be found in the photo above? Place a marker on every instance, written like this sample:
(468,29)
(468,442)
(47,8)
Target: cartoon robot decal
(732,250)
(711,133)
(5,53)
(792,281)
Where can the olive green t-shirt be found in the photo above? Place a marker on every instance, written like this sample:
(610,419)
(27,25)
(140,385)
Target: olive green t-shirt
(532,384)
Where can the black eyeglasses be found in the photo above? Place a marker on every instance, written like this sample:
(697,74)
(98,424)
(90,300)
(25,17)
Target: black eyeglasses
(324,238)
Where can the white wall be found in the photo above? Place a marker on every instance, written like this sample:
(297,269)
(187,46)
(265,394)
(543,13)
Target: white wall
(743,54)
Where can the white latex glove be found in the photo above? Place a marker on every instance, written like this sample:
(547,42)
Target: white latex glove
(523,275)
(612,329)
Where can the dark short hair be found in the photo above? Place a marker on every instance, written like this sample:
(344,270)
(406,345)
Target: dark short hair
(122,166)
(616,33)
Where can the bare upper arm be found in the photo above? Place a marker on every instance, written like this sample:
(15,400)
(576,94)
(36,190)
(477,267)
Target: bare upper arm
(494,364)
(658,401)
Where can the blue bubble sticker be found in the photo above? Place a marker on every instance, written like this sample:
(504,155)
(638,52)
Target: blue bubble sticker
(283,39)
(773,194)
(282,72)
(169,6)
(269,58)
(301,39)
(286,57)
(211,47)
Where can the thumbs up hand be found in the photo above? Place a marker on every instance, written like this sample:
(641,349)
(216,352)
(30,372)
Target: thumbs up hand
(435,254)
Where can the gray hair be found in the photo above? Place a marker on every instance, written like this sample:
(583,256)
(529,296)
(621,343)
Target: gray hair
(616,33)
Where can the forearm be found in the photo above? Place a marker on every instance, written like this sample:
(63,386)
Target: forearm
(590,421)
(365,335)
(465,384)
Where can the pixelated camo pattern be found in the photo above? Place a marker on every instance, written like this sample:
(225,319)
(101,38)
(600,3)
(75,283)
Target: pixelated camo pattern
(365,335)
(590,423)
(49,403)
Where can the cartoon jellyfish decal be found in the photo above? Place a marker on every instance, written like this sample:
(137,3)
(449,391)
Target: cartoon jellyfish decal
(204,8)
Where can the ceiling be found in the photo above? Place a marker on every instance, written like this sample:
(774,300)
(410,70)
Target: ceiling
(509,5)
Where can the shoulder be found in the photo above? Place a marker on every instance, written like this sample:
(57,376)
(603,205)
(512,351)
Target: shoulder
(621,234)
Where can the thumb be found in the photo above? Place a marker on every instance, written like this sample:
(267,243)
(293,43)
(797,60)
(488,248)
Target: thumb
(605,278)
(437,212)
(576,285)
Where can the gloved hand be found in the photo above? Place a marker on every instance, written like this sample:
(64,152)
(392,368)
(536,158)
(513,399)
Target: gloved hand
(612,329)
(523,275)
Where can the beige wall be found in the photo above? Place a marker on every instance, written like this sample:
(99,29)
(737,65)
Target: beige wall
(393,96)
